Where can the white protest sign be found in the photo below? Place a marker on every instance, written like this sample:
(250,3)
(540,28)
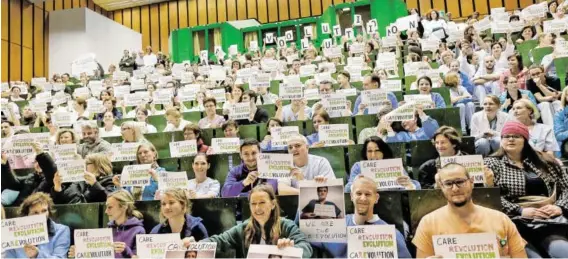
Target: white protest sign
(349,33)
(308,70)
(325,28)
(554,26)
(240,111)
(17,232)
(402,113)
(71,170)
(20,145)
(121,90)
(20,128)
(561,48)
(357,48)
(289,35)
(269,38)
(184,148)
(305,43)
(407,23)
(374,98)
(389,42)
(290,92)
(188,93)
(483,24)
(204,56)
(172,180)
(124,151)
(135,175)
(95,106)
(253,45)
(391,85)
(337,30)
(334,103)
(281,135)
(483,245)
(535,11)
(162,96)
(423,99)
(392,30)
(499,27)
(318,229)
(136,99)
(372,241)
(372,26)
(94,243)
(64,152)
(357,21)
(62,119)
(233,50)
(308,32)
(323,210)
(195,250)
(272,251)
(311,94)
(225,145)
(347,92)
(281,42)
(219,95)
(154,245)
(327,43)
(274,166)
(472,163)
(384,171)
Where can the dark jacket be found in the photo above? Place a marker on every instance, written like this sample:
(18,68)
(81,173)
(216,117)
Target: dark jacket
(127,64)
(428,170)
(260,116)
(193,228)
(552,82)
(127,233)
(37,182)
(81,192)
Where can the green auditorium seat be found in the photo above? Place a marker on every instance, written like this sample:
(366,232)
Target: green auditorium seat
(338,120)
(408,80)
(389,208)
(524,49)
(423,150)
(354,153)
(117,166)
(36,130)
(161,141)
(120,121)
(270,108)
(301,126)
(358,86)
(192,116)
(207,135)
(275,86)
(447,116)
(561,64)
(364,121)
(423,202)
(76,216)
(443,91)
(171,164)
(159,121)
(21,105)
(539,53)
(245,131)
(336,157)
(399,95)
(114,139)
(219,166)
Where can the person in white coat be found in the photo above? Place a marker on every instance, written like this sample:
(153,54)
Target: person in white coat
(487,124)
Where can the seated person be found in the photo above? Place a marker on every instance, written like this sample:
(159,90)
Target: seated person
(371,82)
(422,127)
(309,209)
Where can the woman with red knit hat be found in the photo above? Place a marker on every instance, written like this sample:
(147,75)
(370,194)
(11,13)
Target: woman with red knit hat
(533,187)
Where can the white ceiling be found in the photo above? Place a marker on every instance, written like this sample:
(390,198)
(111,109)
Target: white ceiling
(111,5)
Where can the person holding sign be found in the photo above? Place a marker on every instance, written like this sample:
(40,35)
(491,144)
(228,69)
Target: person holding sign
(202,186)
(541,136)
(98,183)
(141,114)
(308,167)
(233,97)
(425,87)
(40,181)
(175,209)
(257,114)
(537,188)
(175,121)
(244,177)
(266,144)
(296,111)
(92,142)
(308,212)
(461,98)
(132,133)
(462,216)
(59,235)
(191,132)
(364,196)
(211,119)
(422,127)
(146,154)
(264,227)
(110,106)
(374,148)
(321,117)
(371,82)
(109,129)
(486,126)
(125,221)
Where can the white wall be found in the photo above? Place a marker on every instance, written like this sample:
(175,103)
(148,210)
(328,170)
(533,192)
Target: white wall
(75,32)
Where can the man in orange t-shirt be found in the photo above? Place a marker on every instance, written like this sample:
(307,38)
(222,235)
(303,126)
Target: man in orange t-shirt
(462,216)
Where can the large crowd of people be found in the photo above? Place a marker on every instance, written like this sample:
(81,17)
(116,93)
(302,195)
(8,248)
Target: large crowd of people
(515,110)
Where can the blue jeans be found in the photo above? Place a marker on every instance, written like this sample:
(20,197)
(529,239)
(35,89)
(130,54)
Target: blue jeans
(555,246)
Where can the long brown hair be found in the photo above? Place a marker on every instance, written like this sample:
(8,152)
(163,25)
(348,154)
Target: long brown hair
(253,226)
(125,200)
(178,195)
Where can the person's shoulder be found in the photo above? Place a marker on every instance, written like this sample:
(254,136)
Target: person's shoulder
(493,214)
(542,127)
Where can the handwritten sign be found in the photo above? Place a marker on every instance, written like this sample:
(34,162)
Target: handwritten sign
(135,175)
(402,113)
(323,210)
(374,98)
(281,135)
(472,163)
(334,134)
(219,95)
(274,166)
(124,151)
(195,250)
(554,26)
(17,232)
(225,145)
(372,241)
(384,171)
(154,245)
(240,111)
(479,245)
(288,92)
(95,106)
(20,145)
(323,230)
(173,180)
(391,85)
(71,170)
(423,99)
(334,103)
(62,119)
(183,148)
(94,243)
(64,152)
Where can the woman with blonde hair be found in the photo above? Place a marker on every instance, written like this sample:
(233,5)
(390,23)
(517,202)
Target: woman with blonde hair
(59,235)
(460,97)
(146,153)
(541,136)
(132,133)
(125,222)
(97,184)
(265,226)
(175,120)
(175,209)
(66,136)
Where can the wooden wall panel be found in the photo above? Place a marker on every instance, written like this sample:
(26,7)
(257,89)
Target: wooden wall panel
(27,25)
(67,4)
(154,26)
(262,12)
(27,64)
(251,9)
(425,6)
(305,8)
(221,10)
(273,14)
(15,22)
(5,56)
(5,23)
(454,8)
(439,4)
(232,10)
(182,15)
(15,62)
(136,19)
(38,42)
(525,3)
(316,7)
(76,3)
(49,5)
(173,13)
(481,6)
(145,25)
(164,28)
(414,4)
(118,16)
(242,9)
(283,9)
(466,8)
(211,11)
(127,18)
(193,21)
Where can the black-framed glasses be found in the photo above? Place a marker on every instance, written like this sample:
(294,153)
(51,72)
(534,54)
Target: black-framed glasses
(511,136)
(458,182)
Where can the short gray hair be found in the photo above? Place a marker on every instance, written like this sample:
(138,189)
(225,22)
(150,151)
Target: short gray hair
(298,137)
(90,125)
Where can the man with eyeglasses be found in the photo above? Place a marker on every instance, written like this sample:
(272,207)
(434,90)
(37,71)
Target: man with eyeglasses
(462,216)
(546,90)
